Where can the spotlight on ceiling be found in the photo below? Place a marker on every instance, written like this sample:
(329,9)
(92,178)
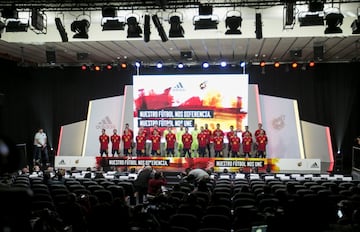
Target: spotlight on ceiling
(176,30)
(81,28)
(355,26)
(12,21)
(180,65)
(134,30)
(38,21)
(233,22)
(315,14)
(159,64)
(205,19)
(333,22)
(205,65)
(110,20)
(223,64)
(61,30)
(160,28)
(316,5)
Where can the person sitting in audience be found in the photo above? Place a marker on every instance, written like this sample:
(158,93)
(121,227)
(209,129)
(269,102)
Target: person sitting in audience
(156,184)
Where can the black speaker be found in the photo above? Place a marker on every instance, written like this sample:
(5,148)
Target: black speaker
(318,52)
(186,55)
(51,56)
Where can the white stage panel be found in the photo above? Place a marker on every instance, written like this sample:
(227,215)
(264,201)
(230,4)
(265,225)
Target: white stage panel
(105,114)
(282,124)
(71,139)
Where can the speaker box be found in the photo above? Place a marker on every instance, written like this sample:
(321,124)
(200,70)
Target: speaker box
(318,52)
(187,55)
(50,56)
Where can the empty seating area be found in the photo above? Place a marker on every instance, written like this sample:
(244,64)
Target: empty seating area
(279,202)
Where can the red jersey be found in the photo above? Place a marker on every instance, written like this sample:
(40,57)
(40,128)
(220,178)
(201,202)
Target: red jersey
(131,132)
(202,139)
(246,132)
(257,132)
(218,130)
(187,140)
(261,141)
(218,143)
(235,143)
(230,134)
(170,140)
(104,141)
(208,135)
(155,139)
(127,140)
(140,142)
(115,141)
(247,143)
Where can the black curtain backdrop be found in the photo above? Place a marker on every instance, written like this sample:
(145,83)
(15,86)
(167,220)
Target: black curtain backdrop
(51,97)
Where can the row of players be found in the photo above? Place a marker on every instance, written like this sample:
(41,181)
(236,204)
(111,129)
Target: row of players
(182,143)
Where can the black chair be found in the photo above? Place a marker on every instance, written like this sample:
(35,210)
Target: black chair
(216,221)
(188,221)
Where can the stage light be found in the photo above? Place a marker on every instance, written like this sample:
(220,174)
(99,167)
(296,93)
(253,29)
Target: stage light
(233,22)
(205,19)
(205,65)
(108,67)
(333,21)
(312,64)
(110,19)
(176,30)
(147,28)
(355,26)
(2,26)
(97,68)
(38,21)
(123,65)
(294,65)
(242,64)
(134,30)
(277,64)
(61,29)
(311,19)
(16,25)
(180,65)
(262,63)
(316,5)
(258,26)
(223,64)
(159,64)
(160,28)
(137,64)
(81,28)
(84,67)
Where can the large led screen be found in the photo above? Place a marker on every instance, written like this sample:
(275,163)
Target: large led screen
(191,99)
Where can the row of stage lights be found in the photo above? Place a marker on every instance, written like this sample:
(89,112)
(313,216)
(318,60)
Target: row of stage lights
(204,65)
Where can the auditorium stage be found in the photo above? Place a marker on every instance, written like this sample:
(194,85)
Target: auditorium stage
(179,164)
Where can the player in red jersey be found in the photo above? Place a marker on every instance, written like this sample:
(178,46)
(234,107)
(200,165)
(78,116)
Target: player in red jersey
(104,140)
(218,141)
(170,138)
(229,135)
(155,143)
(208,133)
(187,139)
(202,141)
(127,143)
(234,143)
(140,144)
(115,143)
(261,141)
(247,142)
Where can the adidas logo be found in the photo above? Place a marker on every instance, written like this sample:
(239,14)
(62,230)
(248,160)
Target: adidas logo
(62,162)
(179,87)
(105,123)
(314,165)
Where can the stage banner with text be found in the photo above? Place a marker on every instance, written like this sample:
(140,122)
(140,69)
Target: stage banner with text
(173,100)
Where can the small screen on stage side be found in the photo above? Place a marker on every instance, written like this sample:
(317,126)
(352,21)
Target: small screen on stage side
(172,100)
